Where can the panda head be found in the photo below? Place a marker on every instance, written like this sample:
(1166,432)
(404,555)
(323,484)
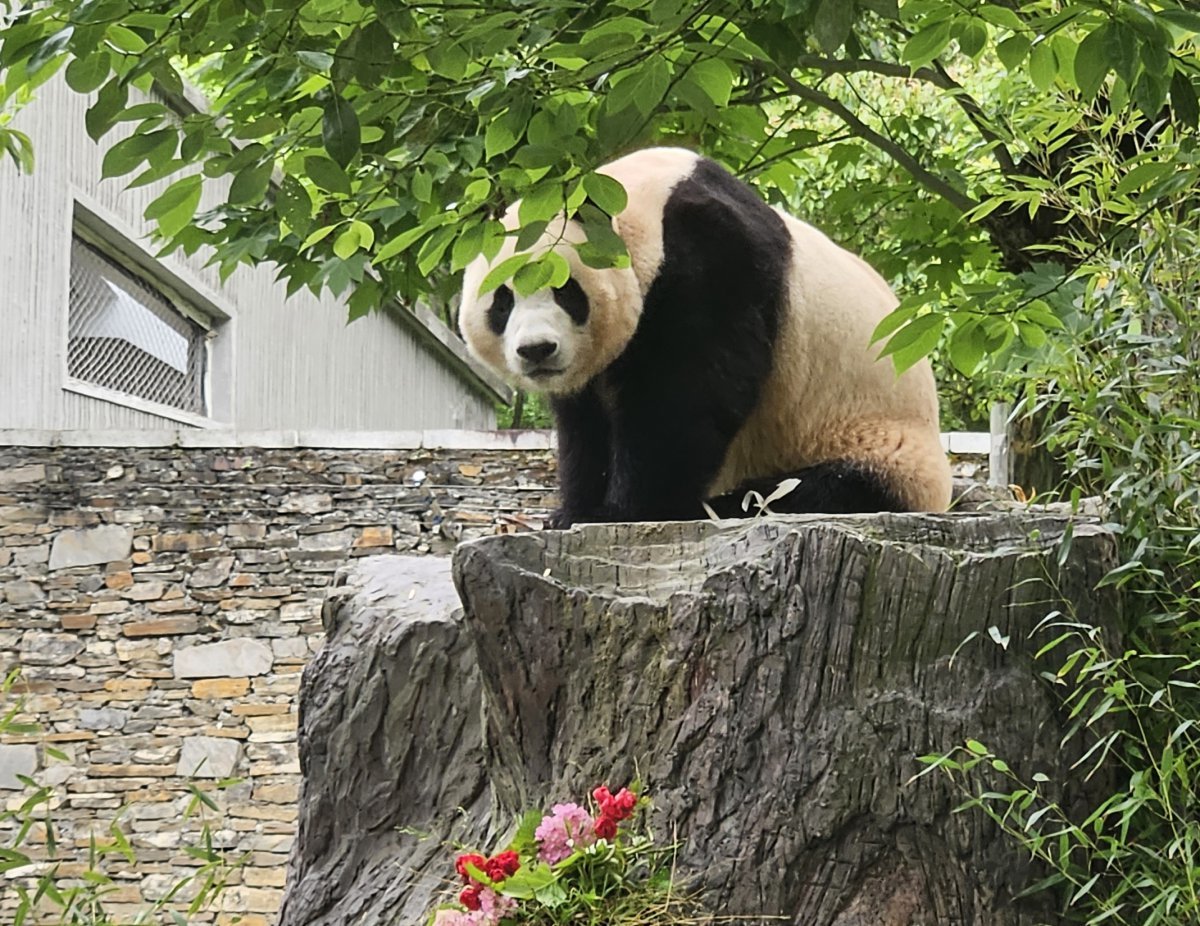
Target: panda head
(556,340)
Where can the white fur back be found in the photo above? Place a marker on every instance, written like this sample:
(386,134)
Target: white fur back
(828,397)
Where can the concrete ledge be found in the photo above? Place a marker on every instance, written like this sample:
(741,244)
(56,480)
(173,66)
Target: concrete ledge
(216,438)
(969,443)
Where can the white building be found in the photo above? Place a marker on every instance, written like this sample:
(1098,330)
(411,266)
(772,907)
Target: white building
(97,333)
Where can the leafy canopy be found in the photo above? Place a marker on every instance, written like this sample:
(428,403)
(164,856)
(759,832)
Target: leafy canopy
(368,147)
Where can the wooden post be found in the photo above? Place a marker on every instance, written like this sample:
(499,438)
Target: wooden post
(999,462)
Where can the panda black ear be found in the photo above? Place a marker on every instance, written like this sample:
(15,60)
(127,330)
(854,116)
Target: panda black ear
(573,300)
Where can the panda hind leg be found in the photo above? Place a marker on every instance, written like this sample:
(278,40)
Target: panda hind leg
(833,487)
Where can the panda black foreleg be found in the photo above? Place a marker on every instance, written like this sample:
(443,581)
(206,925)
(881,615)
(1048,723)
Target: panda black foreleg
(666,450)
(833,487)
(583,455)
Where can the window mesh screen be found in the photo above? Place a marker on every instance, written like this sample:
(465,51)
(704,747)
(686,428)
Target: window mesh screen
(124,335)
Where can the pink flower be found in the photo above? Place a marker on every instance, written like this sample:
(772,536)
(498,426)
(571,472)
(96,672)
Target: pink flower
(494,907)
(568,827)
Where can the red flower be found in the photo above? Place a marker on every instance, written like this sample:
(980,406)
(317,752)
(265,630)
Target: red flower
(619,806)
(476,861)
(605,826)
(623,804)
(502,865)
(469,897)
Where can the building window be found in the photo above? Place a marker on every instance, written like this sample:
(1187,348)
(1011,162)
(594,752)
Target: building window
(125,335)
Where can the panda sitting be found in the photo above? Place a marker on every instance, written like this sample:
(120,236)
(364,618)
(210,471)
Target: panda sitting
(731,354)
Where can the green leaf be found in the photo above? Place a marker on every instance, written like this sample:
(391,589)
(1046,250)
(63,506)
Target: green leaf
(477,191)
(532,276)
(176,205)
(326,174)
(972,38)
(102,115)
(1092,61)
(374,53)
(1187,20)
(606,193)
(914,340)
(543,202)
(467,246)
(421,186)
(1183,99)
(926,45)
(1043,66)
(340,131)
(1001,16)
(892,321)
(832,23)
(527,881)
(497,139)
(503,271)
(714,77)
(49,50)
(1123,49)
(448,59)
(966,348)
(319,235)
(86,74)
(250,183)
(1142,176)
(977,748)
(403,241)
(128,153)
(346,244)
(366,234)
(294,205)
(645,88)
(1012,51)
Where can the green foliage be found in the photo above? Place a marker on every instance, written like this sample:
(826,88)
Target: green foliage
(1121,396)
(31,855)
(369,149)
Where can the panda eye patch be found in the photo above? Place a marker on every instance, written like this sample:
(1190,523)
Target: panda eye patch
(500,309)
(573,300)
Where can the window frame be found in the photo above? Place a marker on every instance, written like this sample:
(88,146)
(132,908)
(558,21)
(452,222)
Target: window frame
(103,234)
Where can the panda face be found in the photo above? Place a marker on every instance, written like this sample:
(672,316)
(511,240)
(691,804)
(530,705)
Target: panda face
(554,341)
(541,337)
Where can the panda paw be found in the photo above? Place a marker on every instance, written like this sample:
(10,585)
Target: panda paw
(563,518)
(559,520)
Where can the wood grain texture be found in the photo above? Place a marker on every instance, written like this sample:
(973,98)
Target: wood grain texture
(771,683)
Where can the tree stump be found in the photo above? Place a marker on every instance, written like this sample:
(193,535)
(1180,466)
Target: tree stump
(771,682)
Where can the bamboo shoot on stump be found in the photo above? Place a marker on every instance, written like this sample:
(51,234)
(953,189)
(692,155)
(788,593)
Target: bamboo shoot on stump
(770,682)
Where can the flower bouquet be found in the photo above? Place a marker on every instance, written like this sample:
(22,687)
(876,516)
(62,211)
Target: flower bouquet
(573,865)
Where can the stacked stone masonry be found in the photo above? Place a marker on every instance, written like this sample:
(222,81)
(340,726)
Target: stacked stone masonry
(162,602)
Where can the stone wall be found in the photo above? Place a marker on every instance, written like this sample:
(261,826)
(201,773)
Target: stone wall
(162,602)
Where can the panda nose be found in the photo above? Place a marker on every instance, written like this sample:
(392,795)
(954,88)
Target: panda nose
(537,351)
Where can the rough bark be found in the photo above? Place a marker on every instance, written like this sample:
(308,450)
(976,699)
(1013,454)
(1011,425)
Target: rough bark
(391,748)
(770,682)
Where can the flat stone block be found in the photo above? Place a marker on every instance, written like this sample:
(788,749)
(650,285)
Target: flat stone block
(208,757)
(229,658)
(17,760)
(91,547)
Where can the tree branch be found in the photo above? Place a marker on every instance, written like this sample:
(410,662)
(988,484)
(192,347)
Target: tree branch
(936,75)
(923,176)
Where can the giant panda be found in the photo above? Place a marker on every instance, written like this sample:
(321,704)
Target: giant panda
(733,352)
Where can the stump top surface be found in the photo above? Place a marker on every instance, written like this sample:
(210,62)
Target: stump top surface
(656,559)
